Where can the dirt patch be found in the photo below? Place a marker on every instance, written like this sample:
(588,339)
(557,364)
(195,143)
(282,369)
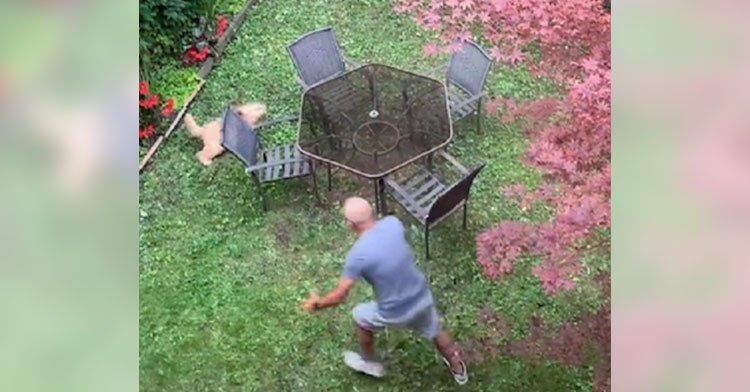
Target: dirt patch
(336,197)
(283,236)
(345,186)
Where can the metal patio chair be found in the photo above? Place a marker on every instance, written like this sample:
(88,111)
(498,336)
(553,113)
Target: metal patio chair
(424,196)
(317,57)
(465,75)
(264,165)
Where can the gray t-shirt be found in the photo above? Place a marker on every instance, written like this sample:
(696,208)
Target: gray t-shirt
(383,258)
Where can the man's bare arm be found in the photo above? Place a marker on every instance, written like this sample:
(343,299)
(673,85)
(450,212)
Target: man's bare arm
(337,296)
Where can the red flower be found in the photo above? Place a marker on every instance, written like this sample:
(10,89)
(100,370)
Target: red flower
(145,133)
(192,56)
(149,103)
(189,56)
(143,88)
(149,131)
(168,108)
(204,53)
(222,26)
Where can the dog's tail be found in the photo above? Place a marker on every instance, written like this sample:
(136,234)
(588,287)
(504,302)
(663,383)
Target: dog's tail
(193,129)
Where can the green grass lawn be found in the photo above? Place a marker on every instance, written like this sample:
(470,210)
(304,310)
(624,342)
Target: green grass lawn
(221,282)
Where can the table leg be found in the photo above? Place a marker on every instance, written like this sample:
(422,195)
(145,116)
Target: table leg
(383,207)
(409,117)
(373,91)
(377,197)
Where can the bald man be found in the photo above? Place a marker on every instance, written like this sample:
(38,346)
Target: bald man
(382,257)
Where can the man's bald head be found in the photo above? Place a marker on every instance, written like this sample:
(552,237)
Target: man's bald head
(358,212)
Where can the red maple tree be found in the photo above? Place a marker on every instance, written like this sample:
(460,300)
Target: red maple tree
(569,43)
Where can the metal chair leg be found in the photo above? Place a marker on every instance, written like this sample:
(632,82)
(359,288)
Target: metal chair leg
(479,115)
(427,241)
(260,190)
(315,182)
(264,203)
(329,176)
(466,204)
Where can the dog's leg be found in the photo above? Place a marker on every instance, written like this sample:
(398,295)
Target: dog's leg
(203,157)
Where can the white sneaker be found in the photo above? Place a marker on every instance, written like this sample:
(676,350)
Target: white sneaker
(356,362)
(460,378)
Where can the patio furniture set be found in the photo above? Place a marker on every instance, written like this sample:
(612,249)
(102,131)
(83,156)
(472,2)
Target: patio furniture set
(374,121)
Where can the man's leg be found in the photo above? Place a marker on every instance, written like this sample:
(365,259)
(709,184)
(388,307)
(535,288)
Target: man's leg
(367,342)
(366,319)
(429,324)
(448,350)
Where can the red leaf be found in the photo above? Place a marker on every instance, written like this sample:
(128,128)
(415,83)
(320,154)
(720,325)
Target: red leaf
(430,49)
(464,36)
(432,17)
(496,54)
(454,47)
(498,5)
(515,57)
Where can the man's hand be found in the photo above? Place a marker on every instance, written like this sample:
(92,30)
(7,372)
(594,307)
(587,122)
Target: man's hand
(312,302)
(335,297)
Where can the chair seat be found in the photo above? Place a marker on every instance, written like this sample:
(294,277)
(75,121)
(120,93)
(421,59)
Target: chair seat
(290,164)
(455,100)
(417,192)
(340,96)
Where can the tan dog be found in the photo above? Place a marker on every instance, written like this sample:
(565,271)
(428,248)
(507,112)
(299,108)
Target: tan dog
(211,133)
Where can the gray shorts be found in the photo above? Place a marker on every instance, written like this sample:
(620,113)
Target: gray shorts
(427,322)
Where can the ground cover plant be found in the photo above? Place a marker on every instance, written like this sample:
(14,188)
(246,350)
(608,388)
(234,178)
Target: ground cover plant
(221,282)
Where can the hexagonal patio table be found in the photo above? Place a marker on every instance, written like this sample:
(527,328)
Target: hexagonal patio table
(374,120)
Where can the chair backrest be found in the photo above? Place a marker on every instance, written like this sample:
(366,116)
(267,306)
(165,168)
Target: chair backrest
(468,67)
(316,56)
(239,138)
(448,200)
